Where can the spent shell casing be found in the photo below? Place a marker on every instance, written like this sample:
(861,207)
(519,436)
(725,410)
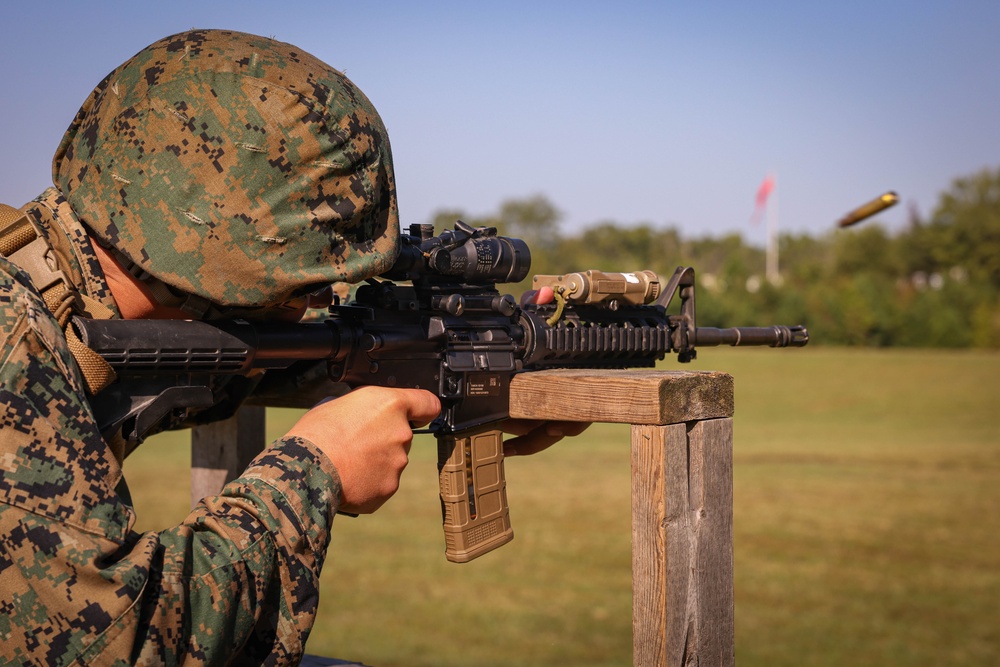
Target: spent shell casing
(869,209)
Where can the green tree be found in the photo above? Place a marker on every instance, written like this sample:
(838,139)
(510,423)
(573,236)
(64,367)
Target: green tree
(535,220)
(865,251)
(968,216)
(805,259)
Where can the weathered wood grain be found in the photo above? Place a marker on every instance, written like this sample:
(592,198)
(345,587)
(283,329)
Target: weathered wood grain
(682,555)
(220,452)
(622,396)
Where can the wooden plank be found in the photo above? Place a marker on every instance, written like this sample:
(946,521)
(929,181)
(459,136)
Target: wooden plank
(682,563)
(622,396)
(220,452)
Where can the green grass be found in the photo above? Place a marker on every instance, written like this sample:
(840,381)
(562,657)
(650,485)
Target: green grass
(866,529)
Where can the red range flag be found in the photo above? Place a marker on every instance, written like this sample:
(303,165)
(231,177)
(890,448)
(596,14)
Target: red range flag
(763,192)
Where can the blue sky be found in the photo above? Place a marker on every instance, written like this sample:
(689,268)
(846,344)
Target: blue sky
(660,112)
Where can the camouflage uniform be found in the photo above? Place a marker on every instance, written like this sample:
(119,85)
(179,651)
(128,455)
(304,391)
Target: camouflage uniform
(238,579)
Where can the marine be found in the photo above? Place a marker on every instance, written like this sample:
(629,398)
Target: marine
(214,174)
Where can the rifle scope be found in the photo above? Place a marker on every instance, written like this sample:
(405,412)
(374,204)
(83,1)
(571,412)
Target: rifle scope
(474,254)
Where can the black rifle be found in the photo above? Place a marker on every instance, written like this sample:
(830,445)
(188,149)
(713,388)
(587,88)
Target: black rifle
(434,321)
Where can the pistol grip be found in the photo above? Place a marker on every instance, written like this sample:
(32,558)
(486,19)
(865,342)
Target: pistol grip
(473,493)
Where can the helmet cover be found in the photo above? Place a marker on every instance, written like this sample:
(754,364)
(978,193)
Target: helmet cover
(234,167)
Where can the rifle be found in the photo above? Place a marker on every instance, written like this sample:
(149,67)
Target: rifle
(434,321)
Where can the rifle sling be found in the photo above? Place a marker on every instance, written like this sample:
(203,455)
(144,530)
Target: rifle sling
(24,246)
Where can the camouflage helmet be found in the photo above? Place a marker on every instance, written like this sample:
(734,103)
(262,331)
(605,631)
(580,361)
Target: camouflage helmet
(233,167)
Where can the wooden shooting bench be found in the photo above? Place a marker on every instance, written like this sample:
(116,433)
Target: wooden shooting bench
(682,494)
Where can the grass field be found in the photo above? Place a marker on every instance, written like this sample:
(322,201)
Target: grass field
(866,528)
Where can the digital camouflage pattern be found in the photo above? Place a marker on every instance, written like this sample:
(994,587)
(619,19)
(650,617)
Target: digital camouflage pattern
(235,583)
(234,167)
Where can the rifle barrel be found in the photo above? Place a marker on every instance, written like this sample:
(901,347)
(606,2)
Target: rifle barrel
(774,336)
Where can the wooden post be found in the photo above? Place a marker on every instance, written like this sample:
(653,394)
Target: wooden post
(220,452)
(682,502)
(682,493)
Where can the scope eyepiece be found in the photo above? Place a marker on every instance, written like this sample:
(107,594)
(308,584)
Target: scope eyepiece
(493,259)
(473,254)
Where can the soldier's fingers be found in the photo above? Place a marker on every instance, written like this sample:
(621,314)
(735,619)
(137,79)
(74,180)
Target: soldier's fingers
(421,406)
(538,296)
(520,426)
(565,429)
(542,437)
(553,428)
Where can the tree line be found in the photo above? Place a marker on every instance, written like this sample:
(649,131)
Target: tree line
(935,283)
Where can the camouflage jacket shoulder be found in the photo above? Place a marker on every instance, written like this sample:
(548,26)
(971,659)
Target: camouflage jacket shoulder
(78,586)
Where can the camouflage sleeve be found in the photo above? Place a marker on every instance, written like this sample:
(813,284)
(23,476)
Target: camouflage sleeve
(243,569)
(78,586)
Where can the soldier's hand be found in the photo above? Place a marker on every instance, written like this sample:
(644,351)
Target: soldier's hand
(539,296)
(367,434)
(535,435)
